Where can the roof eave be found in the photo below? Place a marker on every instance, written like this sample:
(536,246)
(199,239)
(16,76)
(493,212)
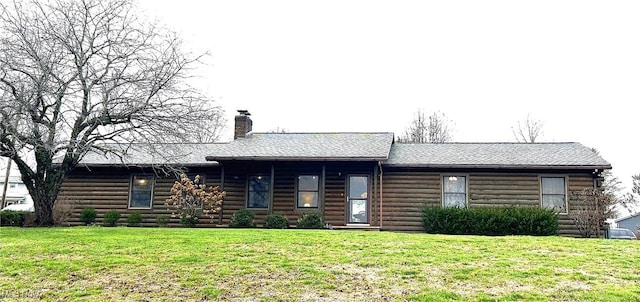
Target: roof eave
(205,164)
(505,167)
(271,158)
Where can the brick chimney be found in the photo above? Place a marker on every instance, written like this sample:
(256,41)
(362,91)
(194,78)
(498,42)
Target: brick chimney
(243,124)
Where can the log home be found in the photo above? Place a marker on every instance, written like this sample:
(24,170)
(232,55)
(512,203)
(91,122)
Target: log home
(357,180)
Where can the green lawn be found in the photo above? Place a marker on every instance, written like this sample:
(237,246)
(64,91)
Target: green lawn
(138,264)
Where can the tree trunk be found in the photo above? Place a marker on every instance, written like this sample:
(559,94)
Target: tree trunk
(44,210)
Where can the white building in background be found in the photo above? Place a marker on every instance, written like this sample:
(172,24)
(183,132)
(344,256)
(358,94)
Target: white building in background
(17,193)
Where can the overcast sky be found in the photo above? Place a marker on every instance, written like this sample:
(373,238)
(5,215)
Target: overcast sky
(370,65)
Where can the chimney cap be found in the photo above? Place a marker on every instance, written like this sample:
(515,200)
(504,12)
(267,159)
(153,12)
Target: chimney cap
(244,112)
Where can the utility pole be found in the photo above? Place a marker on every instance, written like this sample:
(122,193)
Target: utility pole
(6,183)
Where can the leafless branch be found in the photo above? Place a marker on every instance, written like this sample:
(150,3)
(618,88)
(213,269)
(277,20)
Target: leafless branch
(436,128)
(76,76)
(527,131)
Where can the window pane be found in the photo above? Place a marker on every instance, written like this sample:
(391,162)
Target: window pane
(358,186)
(141,191)
(308,183)
(258,200)
(140,199)
(358,210)
(553,185)
(258,196)
(455,200)
(454,184)
(307,199)
(554,201)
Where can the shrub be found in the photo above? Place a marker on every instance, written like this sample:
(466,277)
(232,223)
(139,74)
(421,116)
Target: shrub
(189,199)
(311,220)
(13,218)
(243,219)
(276,221)
(63,210)
(29,219)
(88,216)
(189,221)
(490,221)
(111,218)
(134,219)
(162,220)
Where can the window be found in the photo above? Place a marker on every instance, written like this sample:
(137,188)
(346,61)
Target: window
(258,196)
(308,191)
(141,191)
(454,191)
(13,185)
(554,194)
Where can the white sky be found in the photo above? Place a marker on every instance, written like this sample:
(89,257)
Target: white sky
(370,65)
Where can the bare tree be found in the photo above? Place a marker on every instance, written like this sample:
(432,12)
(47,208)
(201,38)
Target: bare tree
(436,128)
(630,201)
(278,130)
(590,212)
(527,131)
(88,76)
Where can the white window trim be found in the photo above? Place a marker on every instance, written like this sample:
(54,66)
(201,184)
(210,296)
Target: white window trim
(466,193)
(153,186)
(566,190)
(297,191)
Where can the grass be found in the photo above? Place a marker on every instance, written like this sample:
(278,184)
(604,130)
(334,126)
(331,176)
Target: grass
(141,264)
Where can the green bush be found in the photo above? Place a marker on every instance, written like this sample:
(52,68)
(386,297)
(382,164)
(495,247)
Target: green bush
(188,220)
(311,220)
(276,221)
(88,216)
(490,221)
(162,220)
(134,220)
(243,219)
(111,218)
(13,218)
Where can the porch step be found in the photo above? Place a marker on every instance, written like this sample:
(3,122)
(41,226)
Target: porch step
(356,227)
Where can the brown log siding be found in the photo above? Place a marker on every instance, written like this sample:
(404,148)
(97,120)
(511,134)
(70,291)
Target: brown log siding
(405,192)
(106,189)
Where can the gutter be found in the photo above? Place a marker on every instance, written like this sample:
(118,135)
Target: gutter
(505,167)
(314,159)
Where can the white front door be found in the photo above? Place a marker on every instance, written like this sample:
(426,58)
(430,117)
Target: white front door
(358,199)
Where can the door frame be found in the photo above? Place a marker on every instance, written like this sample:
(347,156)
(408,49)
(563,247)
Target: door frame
(367,200)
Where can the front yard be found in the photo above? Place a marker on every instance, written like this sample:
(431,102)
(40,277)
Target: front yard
(138,264)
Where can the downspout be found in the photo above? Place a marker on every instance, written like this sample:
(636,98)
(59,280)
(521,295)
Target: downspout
(380,198)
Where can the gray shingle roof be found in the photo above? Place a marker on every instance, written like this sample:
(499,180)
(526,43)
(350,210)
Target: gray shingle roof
(306,146)
(361,146)
(147,155)
(496,155)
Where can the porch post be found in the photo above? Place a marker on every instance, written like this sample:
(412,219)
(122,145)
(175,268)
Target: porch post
(271,186)
(321,197)
(221,189)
